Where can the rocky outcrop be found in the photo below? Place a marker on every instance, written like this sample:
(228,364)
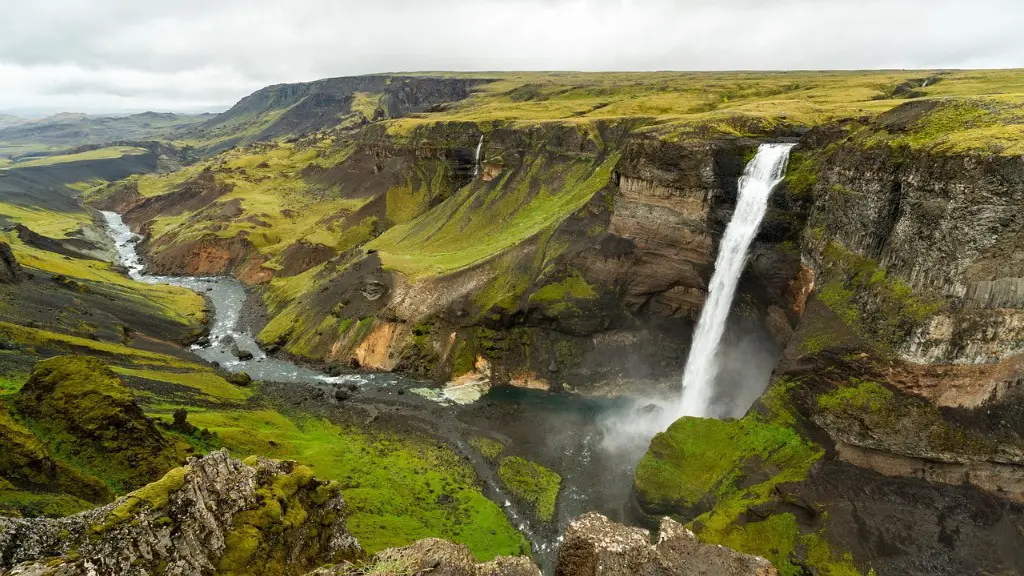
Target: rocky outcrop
(437,558)
(215,515)
(593,546)
(10,270)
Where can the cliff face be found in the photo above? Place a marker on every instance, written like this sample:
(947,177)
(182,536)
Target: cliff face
(947,227)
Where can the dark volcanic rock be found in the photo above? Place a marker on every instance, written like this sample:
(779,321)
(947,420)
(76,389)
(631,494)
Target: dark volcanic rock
(10,270)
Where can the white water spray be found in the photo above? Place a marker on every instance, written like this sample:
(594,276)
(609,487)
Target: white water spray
(761,175)
(476,159)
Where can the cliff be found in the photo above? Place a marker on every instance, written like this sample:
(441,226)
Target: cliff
(899,388)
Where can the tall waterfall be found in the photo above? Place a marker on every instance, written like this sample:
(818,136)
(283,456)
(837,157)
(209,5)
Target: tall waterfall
(761,175)
(476,159)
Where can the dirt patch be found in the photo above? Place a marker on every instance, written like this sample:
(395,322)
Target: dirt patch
(190,196)
(301,256)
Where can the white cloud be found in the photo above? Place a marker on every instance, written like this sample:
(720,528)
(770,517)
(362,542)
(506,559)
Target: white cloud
(107,54)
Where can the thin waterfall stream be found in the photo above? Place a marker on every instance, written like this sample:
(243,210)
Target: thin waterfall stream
(760,177)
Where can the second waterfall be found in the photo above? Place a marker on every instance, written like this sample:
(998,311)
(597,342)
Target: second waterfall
(761,175)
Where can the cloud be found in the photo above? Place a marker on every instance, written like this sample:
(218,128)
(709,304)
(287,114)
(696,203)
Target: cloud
(80,54)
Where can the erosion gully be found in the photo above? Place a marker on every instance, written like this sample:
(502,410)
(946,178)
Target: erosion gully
(593,443)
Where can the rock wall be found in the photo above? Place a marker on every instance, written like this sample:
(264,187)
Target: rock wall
(946,226)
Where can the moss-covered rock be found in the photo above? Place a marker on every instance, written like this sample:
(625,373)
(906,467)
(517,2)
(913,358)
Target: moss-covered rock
(217,513)
(531,482)
(30,476)
(87,417)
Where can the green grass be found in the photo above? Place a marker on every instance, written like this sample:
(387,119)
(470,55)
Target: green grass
(675,103)
(869,396)
(176,303)
(991,126)
(491,449)
(98,154)
(37,337)
(212,386)
(533,483)
(397,489)
(45,222)
(454,236)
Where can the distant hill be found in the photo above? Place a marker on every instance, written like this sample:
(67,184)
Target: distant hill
(20,137)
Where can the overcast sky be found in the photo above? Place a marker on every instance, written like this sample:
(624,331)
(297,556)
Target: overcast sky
(107,55)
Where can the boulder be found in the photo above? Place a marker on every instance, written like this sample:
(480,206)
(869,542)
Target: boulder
(593,545)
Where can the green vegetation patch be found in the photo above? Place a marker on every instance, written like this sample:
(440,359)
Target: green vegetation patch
(98,154)
(86,416)
(484,219)
(992,125)
(208,383)
(490,448)
(698,458)
(875,305)
(559,296)
(398,488)
(531,482)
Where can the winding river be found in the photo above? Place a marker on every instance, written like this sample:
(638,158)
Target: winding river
(593,443)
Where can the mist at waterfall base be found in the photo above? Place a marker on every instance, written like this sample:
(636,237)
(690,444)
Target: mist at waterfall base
(730,362)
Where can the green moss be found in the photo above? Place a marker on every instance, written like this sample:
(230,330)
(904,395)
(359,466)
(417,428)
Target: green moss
(463,359)
(89,419)
(802,175)
(531,482)
(700,458)
(35,504)
(863,395)
(880,308)
(154,496)
(559,296)
(393,485)
(491,449)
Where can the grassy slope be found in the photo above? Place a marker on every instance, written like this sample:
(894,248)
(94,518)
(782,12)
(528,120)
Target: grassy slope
(677,103)
(98,154)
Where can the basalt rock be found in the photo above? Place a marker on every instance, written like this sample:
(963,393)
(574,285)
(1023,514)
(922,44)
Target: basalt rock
(437,558)
(10,270)
(593,546)
(215,515)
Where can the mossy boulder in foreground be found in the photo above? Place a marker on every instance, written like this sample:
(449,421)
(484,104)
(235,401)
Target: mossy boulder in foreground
(87,417)
(215,515)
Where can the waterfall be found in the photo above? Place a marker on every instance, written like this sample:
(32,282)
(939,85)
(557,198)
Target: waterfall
(761,175)
(476,160)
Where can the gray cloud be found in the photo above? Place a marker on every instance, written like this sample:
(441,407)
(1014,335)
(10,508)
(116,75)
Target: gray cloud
(111,54)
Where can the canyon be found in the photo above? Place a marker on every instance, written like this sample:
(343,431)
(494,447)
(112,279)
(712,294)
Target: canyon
(403,233)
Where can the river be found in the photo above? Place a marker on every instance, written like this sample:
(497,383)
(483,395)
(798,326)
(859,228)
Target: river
(593,443)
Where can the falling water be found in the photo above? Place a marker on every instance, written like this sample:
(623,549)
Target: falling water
(476,161)
(761,175)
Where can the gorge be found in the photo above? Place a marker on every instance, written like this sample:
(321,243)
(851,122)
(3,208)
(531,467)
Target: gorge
(467,300)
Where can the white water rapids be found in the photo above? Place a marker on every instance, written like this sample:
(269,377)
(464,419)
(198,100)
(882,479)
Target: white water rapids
(761,175)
